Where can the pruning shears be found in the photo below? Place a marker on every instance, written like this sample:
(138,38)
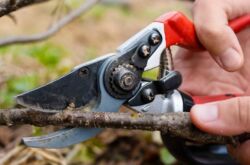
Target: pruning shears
(113,80)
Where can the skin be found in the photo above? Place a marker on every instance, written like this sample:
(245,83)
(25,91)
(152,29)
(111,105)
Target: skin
(224,67)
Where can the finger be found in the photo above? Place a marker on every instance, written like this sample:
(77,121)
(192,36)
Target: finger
(241,152)
(211,23)
(229,117)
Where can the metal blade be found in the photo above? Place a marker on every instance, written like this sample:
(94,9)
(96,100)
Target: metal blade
(74,90)
(62,138)
(70,136)
(171,102)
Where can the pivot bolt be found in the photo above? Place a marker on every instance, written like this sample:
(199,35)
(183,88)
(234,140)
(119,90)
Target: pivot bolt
(148,95)
(126,80)
(154,39)
(145,51)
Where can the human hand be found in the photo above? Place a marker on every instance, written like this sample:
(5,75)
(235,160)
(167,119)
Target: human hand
(211,23)
(202,76)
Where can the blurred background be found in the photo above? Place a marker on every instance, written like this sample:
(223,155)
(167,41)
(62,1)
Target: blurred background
(23,67)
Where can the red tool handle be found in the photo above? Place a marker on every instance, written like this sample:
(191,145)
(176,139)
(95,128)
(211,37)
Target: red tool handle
(190,101)
(179,30)
(208,99)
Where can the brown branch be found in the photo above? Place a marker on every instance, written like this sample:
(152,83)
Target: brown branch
(176,124)
(56,27)
(8,6)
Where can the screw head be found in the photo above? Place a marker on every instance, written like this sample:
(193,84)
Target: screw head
(154,39)
(145,51)
(148,95)
(84,72)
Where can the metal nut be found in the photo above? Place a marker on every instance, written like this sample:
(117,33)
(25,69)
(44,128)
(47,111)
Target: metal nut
(145,51)
(126,79)
(154,39)
(148,95)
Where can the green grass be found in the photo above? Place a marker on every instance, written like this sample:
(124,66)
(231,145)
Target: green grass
(37,131)
(22,83)
(49,55)
(15,86)
(99,11)
(46,53)
(166,157)
(87,154)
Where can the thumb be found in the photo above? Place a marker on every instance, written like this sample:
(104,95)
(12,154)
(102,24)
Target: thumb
(211,24)
(229,117)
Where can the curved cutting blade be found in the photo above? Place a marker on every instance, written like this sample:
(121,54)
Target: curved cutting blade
(74,90)
(61,138)
(70,136)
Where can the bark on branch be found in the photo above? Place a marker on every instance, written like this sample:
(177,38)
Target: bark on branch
(8,6)
(176,124)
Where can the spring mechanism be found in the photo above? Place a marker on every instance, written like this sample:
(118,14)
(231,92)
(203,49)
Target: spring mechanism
(166,63)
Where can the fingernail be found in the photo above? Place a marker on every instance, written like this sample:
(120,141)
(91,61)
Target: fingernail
(230,59)
(206,112)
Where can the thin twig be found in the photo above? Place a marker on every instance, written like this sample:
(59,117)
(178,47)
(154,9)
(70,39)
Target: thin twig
(177,124)
(53,29)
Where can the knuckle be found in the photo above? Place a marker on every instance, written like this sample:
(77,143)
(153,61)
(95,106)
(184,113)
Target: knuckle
(204,13)
(209,30)
(243,107)
(195,6)
(199,4)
